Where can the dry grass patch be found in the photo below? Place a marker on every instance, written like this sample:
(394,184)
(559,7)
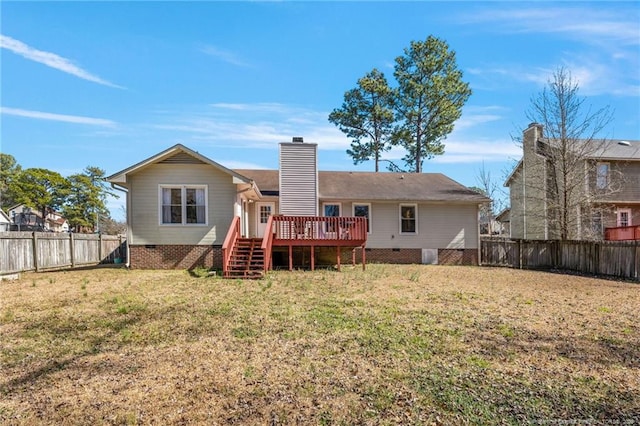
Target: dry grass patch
(391,345)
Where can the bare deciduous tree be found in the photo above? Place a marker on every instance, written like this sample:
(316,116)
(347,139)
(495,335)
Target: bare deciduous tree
(563,172)
(493,189)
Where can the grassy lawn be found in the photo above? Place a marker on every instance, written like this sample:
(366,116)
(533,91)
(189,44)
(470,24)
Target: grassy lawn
(391,345)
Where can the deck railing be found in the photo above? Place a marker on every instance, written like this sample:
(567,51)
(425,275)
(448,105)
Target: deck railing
(267,244)
(229,242)
(622,233)
(320,228)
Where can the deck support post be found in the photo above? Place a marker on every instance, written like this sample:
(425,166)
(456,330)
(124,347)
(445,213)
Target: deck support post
(363,258)
(313,258)
(290,257)
(338,257)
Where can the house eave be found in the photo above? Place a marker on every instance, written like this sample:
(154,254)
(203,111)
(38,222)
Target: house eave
(507,182)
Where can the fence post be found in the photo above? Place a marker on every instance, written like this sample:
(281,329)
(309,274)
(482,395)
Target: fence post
(35,251)
(520,254)
(73,249)
(637,274)
(100,247)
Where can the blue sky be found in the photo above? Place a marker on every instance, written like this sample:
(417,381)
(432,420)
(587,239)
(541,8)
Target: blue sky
(108,84)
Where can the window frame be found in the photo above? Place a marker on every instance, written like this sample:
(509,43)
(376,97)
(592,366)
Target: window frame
(324,205)
(619,218)
(368,205)
(597,223)
(603,180)
(183,205)
(415,219)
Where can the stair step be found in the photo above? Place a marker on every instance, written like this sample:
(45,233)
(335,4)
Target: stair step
(247,259)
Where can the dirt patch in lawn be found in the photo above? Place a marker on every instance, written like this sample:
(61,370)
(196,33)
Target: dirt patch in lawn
(390,345)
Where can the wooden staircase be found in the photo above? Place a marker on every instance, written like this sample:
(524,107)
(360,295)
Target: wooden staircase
(247,259)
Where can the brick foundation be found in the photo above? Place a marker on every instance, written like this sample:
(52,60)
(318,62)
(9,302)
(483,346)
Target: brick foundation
(408,256)
(175,257)
(189,257)
(397,256)
(458,257)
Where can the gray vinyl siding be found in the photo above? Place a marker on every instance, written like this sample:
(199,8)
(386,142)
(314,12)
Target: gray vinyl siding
(516,214)
(440,225)
(144,206)
(630,181)
(298,179)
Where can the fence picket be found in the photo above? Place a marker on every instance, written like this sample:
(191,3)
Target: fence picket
(613,258)
(29,251)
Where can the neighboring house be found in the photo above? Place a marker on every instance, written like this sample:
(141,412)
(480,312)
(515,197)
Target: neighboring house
(504,221)
(605,195)
(25,218)
(181,205)
(5,222)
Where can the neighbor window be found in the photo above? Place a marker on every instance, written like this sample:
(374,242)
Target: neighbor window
(624,217)
(363,210)
(408,214)
(602,175)
(183,204)
(596,223)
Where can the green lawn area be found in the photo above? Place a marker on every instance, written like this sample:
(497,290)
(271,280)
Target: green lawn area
(408,344)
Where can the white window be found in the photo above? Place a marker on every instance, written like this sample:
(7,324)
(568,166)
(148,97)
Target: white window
(624,217)
(602,175)
(363,210)
(331,210)
(408,221)
(183,204)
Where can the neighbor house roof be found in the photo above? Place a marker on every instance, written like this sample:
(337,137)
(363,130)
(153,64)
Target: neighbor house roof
(504,215)
(381,186)
(604,149)
(4,218)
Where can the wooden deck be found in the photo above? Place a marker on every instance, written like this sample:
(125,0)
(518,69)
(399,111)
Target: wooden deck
(319,231)
(622,233)
(301,231)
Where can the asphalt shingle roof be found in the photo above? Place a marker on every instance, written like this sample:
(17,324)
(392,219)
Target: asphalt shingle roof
(382,186)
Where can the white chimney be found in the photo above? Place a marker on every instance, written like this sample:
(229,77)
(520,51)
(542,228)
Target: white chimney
(298,178)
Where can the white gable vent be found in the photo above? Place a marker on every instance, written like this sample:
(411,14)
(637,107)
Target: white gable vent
(429,256)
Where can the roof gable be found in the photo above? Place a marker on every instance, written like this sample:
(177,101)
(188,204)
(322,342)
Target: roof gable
(4,218)
(177,154)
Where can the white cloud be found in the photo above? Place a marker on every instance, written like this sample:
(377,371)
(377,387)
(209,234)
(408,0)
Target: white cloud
(51,60)
(224,55)
(609,38)
(465,151)
(57,117)
(232,164)
(260,125)
(585,24)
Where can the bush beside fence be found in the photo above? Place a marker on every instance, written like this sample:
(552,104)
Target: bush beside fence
(36,251)
(619,259)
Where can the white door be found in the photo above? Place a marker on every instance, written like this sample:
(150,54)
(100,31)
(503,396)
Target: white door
(263,211)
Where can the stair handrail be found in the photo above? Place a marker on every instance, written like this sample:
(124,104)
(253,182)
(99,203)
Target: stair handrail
(267,243)
(229,243)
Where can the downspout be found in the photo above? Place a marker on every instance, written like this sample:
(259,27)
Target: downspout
(126,191)
(524,199)
(478,232)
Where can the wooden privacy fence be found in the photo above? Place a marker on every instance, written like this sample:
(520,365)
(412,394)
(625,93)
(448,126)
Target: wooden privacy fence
(613,258)
(36,251)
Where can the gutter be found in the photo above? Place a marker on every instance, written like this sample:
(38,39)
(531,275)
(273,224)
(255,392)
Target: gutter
(126,191)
